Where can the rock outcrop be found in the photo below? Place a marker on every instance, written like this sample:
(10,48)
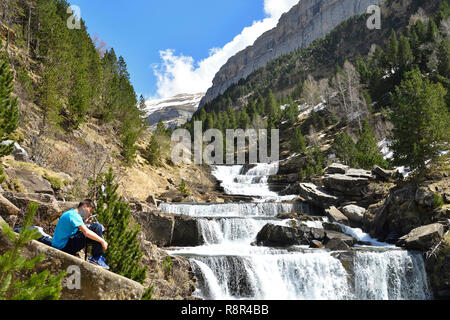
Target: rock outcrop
(423,238)
(31,181)
(406,208)
(307,21)
(166,230)
(352,184)
(316,195)
(438,269)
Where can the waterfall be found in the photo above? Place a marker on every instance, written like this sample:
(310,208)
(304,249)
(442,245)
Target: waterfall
(273,277)
(234,209)
(391,275)
(253,183)
(229,267)
(216,231)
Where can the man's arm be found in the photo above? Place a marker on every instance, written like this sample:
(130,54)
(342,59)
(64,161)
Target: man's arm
(93,236)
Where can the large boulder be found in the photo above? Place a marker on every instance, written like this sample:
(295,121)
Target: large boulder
(316,195)
(353,183)
(423,238)
(336,216)
(354,213)
(348,240)
(279,236)
(337,168)
(282,236)
(96,283)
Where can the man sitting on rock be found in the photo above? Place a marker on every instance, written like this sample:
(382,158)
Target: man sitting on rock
(72,235)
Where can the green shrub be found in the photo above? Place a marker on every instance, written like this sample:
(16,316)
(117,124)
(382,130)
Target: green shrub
(183,188)
(55,182)
(437,201)
(148,294)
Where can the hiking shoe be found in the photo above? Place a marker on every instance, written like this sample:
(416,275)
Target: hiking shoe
(100,261)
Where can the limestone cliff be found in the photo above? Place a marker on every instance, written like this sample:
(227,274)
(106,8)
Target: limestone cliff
(307,21)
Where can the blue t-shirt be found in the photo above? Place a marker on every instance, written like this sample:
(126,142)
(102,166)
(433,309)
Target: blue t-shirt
(67,226)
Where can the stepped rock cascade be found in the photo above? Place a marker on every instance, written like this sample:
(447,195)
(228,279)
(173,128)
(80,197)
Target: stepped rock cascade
(230,267)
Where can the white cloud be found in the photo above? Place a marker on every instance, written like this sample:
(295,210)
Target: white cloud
(180,74)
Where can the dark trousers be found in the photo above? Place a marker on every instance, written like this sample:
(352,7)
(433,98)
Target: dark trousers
(79,241)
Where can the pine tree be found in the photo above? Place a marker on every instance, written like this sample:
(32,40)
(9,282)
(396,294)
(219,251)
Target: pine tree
(421,121)
(444,59)
(56,50)
(251,109)
(298,141)
(392,51)
(160,128)
(9,114)
(405,55)
(209,122)
(272,107)
(291,112)
(368,152)
(232,118)
(183,188)
(153,152)
(124,254)
(432,30)
(260,106)
(243,120)
(42,286)
(345,149)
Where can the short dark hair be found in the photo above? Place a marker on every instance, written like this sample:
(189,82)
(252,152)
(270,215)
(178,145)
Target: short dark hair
(89,203)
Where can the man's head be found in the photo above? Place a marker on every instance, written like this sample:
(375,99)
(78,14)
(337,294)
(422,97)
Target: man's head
(85,208)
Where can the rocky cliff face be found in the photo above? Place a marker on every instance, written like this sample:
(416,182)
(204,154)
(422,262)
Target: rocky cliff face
(173,111)
(307,21)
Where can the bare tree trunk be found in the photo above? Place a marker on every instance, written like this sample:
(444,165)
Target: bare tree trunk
(29,29)
(8,26)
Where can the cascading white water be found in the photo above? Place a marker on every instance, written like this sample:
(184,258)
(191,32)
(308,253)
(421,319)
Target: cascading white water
(249,210)
(391,275)
(273,277)
(229,267)
(252,183)
(217,231)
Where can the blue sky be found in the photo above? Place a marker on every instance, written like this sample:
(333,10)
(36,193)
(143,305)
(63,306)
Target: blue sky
(167,44)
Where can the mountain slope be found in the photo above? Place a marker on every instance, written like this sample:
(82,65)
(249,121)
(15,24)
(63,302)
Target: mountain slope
(304,23)
(174,111)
